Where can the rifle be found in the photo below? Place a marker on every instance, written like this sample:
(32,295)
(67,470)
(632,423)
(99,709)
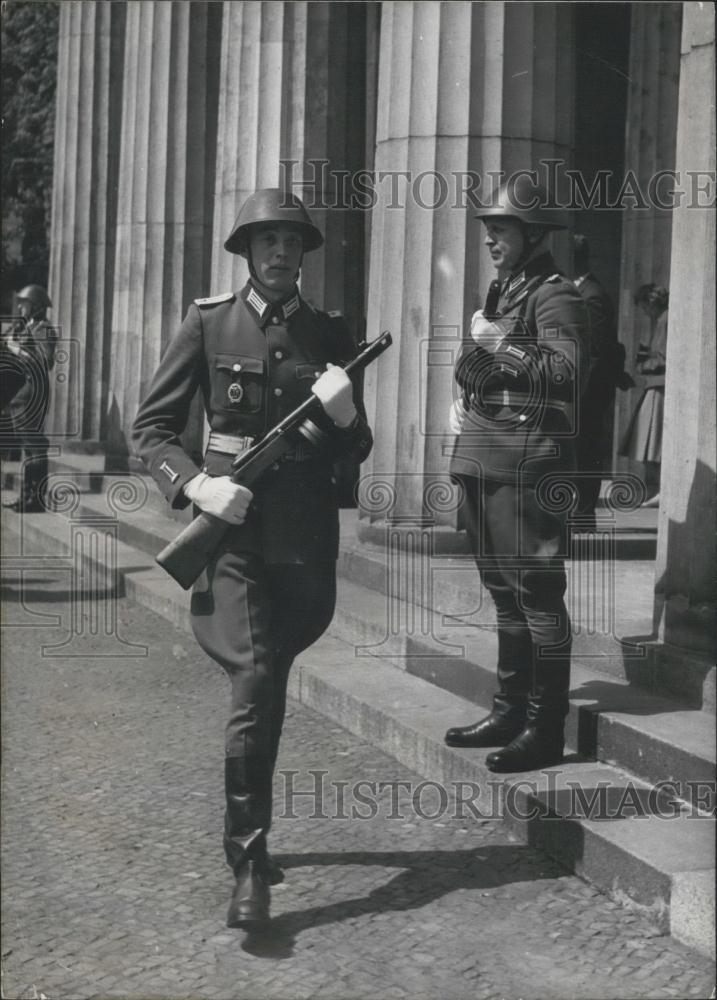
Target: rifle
(188,554)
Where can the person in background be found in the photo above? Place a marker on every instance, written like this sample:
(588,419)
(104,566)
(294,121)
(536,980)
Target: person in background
(606,372)
(28,356)
(642,441)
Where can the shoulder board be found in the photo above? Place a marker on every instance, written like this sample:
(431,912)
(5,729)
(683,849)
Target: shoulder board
(555,277)
(214,300)
(334,313)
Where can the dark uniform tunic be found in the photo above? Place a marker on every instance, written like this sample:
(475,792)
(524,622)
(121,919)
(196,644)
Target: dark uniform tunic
(607,361)
(520,429)
(270,591)
(26,381)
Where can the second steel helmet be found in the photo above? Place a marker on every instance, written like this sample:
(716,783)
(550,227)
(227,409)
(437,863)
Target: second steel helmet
(36,296)
(525,200)
(272,205)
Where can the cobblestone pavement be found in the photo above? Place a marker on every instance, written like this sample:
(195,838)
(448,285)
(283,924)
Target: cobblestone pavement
(113,878)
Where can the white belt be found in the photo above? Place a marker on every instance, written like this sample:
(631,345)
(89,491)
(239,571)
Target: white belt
(228,444)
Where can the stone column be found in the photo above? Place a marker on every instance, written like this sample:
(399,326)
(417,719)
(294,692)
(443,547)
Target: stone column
(684,580)
(166,177)
(462,88)
(292,90)
(89,90)
(649,148)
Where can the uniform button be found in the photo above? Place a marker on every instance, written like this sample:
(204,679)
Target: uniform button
(275,466)
(522,417)
(236,368)
(277,392)
(274,319)
(278,355)
(316,374)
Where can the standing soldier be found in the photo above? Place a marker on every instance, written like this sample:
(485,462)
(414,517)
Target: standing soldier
(29,355)
(519,377)
(270,591)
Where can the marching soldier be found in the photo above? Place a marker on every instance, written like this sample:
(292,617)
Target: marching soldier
(270,591)
(28,356)
(519,376)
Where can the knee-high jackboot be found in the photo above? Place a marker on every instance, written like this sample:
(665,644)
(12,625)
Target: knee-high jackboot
(542,741)
(507,719)
(246,824)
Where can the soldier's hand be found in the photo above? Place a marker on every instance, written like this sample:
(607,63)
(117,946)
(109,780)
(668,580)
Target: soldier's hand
(457,416)
(487,333)
(219,496)
(335,393)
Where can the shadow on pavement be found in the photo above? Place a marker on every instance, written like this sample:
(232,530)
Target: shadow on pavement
(427,876)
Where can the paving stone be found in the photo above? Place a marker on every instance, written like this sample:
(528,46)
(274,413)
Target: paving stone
(112,797)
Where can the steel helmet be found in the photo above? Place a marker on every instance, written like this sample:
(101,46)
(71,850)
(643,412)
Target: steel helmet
(523,199)
(272,205)
(36,296)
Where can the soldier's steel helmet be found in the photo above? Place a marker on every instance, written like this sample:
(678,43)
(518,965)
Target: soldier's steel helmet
(36,296)
(272,205)
(522,199)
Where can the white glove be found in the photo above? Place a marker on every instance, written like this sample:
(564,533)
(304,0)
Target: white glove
(219,496)
(335,393)
(486,333)
(457,416)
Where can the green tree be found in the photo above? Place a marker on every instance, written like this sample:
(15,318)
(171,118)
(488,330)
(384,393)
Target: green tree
(28,77)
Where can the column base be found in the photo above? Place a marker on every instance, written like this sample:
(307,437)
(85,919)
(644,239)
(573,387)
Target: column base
(674,671)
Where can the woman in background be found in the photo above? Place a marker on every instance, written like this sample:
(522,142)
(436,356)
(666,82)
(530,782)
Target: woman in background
(643,439)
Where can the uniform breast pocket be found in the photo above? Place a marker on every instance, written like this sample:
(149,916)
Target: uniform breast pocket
(309,370)
(237,383)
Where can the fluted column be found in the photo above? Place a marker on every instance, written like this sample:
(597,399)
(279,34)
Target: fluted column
(649,149)
(165,184)
(89,89)
(462,88)
(292,90)
(685,586)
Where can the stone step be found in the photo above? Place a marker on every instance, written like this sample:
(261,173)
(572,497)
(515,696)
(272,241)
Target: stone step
(656,738)
(653,737)
(620,842)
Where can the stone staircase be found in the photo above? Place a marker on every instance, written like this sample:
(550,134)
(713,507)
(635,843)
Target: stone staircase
(411,652)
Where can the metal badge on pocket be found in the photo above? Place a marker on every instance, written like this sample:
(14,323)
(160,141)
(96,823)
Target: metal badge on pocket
(235,392)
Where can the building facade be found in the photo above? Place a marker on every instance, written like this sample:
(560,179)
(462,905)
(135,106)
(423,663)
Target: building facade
(388,117)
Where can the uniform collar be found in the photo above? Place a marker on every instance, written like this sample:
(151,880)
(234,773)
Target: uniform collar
(263,310)
(540,263)
(582,278)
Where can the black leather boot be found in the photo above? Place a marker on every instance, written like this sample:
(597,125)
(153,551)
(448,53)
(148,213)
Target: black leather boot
(32,494)
(251,897)
(534,748)
(515,652)
(495,730)
(246,823)
(541,743)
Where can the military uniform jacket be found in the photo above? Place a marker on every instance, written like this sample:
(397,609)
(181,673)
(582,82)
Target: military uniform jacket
(29,403)
(522,399)
(607,355)
(254,362)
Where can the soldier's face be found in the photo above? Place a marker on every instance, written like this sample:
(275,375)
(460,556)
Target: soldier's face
(276,255)
(506,243)
(24,308)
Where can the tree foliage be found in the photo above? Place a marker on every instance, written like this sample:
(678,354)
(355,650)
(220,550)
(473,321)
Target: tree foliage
(28,77)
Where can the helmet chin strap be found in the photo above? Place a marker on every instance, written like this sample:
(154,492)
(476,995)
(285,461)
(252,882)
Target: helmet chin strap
(530,248)
(255,277)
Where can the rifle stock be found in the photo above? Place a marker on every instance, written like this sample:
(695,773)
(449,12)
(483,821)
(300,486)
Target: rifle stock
(188,554)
